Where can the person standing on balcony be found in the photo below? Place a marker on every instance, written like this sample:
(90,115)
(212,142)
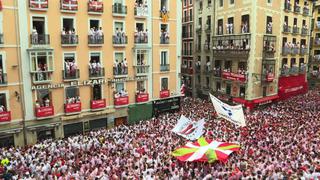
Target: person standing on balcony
(115,67)
(146,35)
(100,35)
(73,36)
(1,75)
(125,66)
(122,36)
(117,36)
(34,36)
(47,102)
(91,35)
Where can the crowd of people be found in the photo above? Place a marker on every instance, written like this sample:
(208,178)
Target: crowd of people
(237,44)
(280,141)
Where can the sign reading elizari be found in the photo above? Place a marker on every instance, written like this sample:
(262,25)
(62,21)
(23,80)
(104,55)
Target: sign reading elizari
(88,83)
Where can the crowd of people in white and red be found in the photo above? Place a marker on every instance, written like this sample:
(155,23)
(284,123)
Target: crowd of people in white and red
(281,141)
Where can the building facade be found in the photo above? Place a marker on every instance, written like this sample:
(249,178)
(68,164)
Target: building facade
(257,49)
(187,66)
(314,62)
(85,65)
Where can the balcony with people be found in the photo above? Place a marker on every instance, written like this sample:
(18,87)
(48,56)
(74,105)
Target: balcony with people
(69,37)
(269,27)
(141,35)
(164,12)
(303,50)
(118,9)
(43,105)
(269,43)
(286,27)
(297,8)
(217,72)
(306,11)
(141,66)
(72,105)
(41,66)
(288,71)
(95,7)
(268,74)
(120,39)
(39,37)
(141,9)
(39,5)
(141,94)
(245,24)
(208,68)
(70,6)
(121,98)
(95,37)
(207,45)
(231,45)
(239,76)
(198,66)
(287,6)
(97,101)
(295,29)
(95,69)
(120,68)
(71,71)
(164,36)
(304,30)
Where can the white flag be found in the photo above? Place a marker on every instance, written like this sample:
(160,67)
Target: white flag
(233,114)
(189,129)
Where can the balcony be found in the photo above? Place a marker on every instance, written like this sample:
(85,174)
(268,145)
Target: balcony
(286,51)
(70,75)
(187,70)
(119,41)
(234,76)
(295,30)
(303,51)
(41,77)
(236,53)
(140,39)
(233,46)
(69,40)
(38,5)
(70,6)
(297,9)
(95,40)
(286,29)
(120,72)
(95,7)
(317,41)
(305,11)
(98,104)
(164,39)
(304,31)
(206,46)
(44,112)
(96,72)
(269,42)
(295,51)
(142,97)
(5,116)
(72,108)
(287,7)
(40,39)
(164,93)
(3,79)
(119,10)
(164,67)
(142,70)
(186,53)
(141,12)
(121,101)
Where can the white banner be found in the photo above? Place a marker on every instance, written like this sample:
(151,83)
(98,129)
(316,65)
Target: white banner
(189,129)
(233,114)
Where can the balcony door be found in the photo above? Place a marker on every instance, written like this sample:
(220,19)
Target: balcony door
(97,92)
(38,23)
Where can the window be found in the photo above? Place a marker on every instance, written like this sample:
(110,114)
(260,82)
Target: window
(120,87)
(242,92)
(142,57)
(164,5)
(97,92)
(72,95)
(220,27)
(164,84)
(231,2)
(164,58)
(38,24)
(209,2)
(269,1)
(269,25)
(245,24)
(221,3)
(141,86)
(218,86)
(43,98)
(94,24)
(68,25)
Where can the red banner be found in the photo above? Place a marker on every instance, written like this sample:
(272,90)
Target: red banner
(96,6)
(38,4)
(121,101)
(98,104)
(142,97)
(44,111)
(292,85)
(164,93)
(234,76)
(73,107)
(5,116)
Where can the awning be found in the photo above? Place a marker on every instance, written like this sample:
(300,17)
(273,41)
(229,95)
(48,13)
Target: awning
(265,100)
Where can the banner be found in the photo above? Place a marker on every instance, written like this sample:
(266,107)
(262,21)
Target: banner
(189,129)
(233,114)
